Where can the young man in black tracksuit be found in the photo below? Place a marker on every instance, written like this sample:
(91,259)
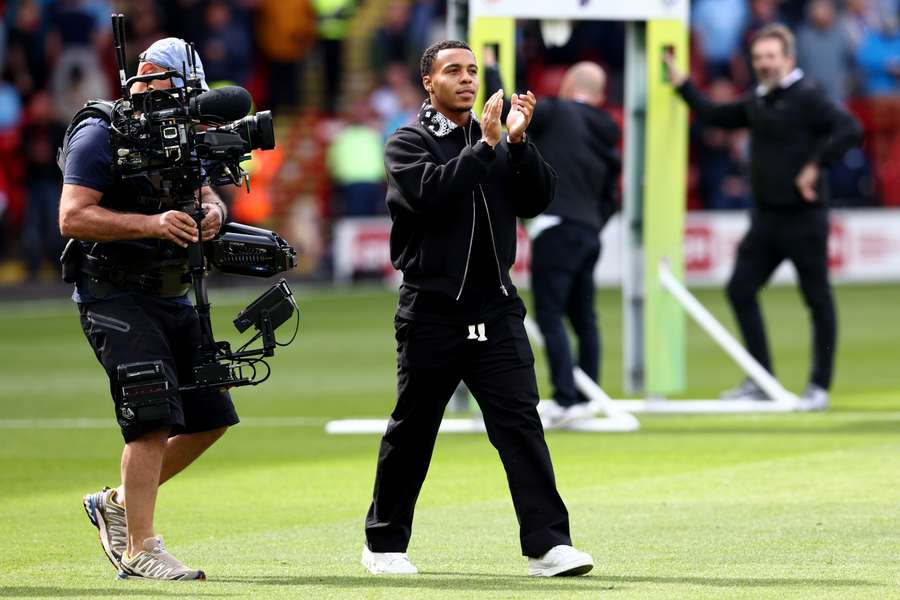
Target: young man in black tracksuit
(579,140)
(795,129)
(454,193)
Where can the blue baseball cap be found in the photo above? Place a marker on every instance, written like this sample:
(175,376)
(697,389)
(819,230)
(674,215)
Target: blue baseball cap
(171,53)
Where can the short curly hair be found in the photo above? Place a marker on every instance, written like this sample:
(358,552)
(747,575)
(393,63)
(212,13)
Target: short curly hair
(427,62)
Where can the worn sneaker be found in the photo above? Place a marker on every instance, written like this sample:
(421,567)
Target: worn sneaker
(560,561)
(387,563)
(748,390)
(155,562)
(814,397)
(108,516)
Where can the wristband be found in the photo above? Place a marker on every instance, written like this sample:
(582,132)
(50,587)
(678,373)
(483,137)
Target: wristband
(218,202)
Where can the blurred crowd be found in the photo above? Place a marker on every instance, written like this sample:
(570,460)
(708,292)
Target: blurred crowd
(341,75)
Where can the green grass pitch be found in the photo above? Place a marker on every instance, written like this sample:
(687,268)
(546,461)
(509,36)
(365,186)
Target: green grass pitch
(764,506)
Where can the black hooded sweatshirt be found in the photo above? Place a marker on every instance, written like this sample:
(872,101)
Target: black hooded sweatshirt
(454,201)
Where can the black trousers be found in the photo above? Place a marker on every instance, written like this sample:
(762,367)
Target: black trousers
(802,238)
(499,371)
(136,328)
(562,281)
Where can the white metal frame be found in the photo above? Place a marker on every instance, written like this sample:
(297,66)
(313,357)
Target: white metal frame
(781,399)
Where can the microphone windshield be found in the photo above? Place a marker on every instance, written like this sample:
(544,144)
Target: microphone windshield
(227,103)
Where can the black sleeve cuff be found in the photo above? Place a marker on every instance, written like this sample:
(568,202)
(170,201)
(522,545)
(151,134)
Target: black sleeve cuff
(484,151)
(517,151)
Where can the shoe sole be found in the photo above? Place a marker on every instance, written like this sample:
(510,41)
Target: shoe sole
(122,575)
(576,571)
(377,572)
(813,406)
(572,569)
(91,507)
(391,572)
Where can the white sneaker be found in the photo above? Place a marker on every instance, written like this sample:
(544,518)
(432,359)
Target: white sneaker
(549,409)
(747,390)
(583,411)
(387,563)
(560,561)
(560,417)
(814,397)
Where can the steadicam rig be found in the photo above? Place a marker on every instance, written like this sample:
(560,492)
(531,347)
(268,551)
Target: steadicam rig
(181,139)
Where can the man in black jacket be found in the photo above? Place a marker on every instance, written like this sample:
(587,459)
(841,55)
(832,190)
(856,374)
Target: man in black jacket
(795,129)
(579,140)
(454,192)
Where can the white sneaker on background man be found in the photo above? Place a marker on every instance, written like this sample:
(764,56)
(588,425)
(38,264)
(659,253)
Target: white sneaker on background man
(556,416)
(814,397)
(747,390)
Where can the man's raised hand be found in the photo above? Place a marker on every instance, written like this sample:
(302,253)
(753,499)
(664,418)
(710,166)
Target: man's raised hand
(519,116)
(490,119)
(676,77)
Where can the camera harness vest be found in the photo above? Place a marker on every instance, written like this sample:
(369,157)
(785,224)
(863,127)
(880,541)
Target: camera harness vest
(166,277)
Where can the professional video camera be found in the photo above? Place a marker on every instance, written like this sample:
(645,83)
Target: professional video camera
(180,139)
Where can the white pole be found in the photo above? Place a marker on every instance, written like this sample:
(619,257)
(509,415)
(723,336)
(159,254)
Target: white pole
(708,322)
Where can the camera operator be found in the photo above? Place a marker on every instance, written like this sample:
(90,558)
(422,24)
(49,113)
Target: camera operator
(131,294)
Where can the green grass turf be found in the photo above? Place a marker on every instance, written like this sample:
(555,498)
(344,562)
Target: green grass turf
(765,506)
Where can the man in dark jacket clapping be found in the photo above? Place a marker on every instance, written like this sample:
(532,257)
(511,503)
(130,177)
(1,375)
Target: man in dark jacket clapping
(455,190)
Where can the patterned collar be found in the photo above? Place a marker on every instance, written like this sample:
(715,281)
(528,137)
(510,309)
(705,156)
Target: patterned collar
(435,121)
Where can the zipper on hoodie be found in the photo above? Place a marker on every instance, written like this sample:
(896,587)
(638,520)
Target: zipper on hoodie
(467,133)
(493,242)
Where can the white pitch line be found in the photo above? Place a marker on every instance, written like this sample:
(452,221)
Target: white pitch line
(288,422)
(84,423)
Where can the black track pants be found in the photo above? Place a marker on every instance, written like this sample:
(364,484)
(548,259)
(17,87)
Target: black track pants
(494,359)
(802,238)
(562,277)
